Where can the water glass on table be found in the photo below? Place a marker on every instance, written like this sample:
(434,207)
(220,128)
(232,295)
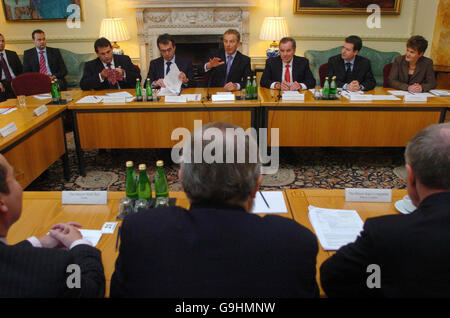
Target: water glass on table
(21,101)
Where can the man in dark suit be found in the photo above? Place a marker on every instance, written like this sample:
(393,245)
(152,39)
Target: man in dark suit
(409,254)
(34,267)
(287,72)
(45,60)
(229,71)
(159,67)
(353,72)
(108,70)
(217,248)
(10,67)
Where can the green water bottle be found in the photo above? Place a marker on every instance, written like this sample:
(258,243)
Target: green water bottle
(255,88)
(161,185)
(144,191)
(333,88)
(139,97)
(148,91)
(54,92)
(248,88)
(130,182)
(326,88)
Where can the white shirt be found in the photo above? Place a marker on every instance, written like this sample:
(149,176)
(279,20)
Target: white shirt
(3,240)
(36,243)
(283,70)
(9,67)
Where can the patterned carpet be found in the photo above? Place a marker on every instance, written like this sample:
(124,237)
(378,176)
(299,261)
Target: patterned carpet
(326,168)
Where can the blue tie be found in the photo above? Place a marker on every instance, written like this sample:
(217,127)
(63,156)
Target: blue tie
(229,62)
(168,67)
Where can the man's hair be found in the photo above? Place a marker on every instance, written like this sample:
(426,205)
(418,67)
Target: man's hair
(36,31)
(417,42)
(220,183)
(235,32)
(356,41)
(165,39)
(428,153)
(288,39)
(102,42)
(3,185)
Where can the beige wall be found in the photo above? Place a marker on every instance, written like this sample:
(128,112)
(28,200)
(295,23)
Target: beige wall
(310,31)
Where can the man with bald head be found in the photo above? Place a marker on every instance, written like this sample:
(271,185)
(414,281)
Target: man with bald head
(411,251)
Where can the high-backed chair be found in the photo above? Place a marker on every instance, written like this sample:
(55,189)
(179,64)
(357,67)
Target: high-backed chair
(378,60)
(323,70)
(386,71)
(31,84)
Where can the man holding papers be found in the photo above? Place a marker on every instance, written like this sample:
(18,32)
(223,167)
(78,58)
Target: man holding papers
(403,255)
(108,70)
(37,267)
(217,248)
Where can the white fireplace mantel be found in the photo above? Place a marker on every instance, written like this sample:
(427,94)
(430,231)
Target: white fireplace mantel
(188,17)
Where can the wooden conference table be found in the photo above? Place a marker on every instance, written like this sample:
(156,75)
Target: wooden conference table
(38,141)
(41,210)
(342,123)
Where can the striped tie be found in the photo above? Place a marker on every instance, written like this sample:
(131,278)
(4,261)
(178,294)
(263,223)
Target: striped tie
(42,64)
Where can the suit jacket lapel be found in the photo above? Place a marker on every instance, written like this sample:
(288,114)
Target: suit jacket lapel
(235,64)
(279,69)
(356,66)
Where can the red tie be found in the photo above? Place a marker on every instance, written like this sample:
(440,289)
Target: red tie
(42,64)
(287,76)
(5,69)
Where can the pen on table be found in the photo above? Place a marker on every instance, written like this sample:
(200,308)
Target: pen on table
(118,236)
(7,106)
(264,199)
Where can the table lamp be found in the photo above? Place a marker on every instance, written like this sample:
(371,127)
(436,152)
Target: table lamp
(273,29)
(115,30)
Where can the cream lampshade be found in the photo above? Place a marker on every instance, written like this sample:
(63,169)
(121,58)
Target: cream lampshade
(273,29)
(114,30)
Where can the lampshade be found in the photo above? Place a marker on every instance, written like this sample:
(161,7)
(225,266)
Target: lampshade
(114,30)
(274,29)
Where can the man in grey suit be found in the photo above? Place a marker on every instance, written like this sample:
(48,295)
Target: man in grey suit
(36,267)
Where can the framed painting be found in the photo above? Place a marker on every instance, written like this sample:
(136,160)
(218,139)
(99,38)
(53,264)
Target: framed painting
(345,6)
(41,10)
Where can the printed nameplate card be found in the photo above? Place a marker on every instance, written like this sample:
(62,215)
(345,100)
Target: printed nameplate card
(360,98)
(40,110)
(114,100)
(84,197)
(368,195)
(289,97)
(109,227)
(223,97)
(8,129)
(415,98)
(175,99)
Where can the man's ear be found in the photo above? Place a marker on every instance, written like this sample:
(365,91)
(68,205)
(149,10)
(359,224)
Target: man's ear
(411,182)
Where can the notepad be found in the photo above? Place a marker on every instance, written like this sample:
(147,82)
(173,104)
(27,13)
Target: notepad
(335,228)
(92,236)
(90,99)
(275,199)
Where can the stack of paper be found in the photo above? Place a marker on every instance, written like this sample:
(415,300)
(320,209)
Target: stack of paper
(335,228)
(90,99)
(43,96)
(128,97)
(274,199)
(440,92)
(6,111)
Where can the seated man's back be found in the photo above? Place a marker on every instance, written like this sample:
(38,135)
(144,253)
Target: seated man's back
(214,252)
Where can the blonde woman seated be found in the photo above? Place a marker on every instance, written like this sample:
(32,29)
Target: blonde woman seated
(413,72)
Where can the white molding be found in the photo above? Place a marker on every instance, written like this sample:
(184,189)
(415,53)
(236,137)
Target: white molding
(190,3)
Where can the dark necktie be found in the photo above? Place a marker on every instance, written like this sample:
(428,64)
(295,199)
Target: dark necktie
(168,67)
(348,72)
(5,69)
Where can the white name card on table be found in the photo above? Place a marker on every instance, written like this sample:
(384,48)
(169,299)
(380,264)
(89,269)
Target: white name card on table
(415,98)
(175,99)
(193,97)
(114,100)
(40,110)
(223,98)
(109,227)
(368,195)
(361,98)
(84,197)
(8,129)
(290,96)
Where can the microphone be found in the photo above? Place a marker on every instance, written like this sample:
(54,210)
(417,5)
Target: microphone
(211,74)
(279,94)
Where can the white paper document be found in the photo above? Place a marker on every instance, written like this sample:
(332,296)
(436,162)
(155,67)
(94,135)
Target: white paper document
(6,111)
(43,96)
(440,92)
(399,93)
(165,91)
(175,99)
(335,228)
(385,97)
(171,79)
(90,99)
(192,97)
(120,94)
(275,200)
(92,236)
